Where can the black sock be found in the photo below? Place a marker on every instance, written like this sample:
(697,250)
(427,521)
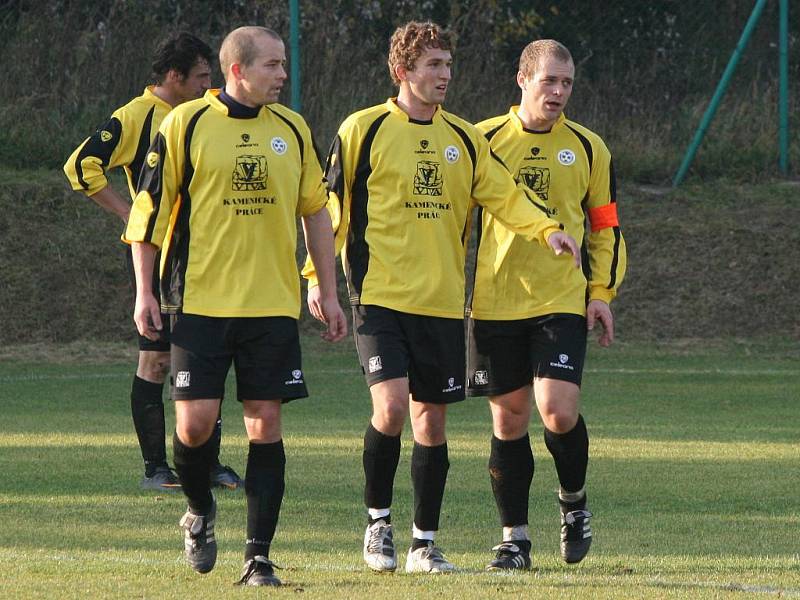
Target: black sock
(387,519)
(216,437)
(192,466)
(511,472)
(380,458)
(264,484)
(571,455)
(147,408)
(429,466)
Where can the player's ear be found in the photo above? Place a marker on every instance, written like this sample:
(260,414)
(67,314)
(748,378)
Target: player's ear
(401,72)
(521,80)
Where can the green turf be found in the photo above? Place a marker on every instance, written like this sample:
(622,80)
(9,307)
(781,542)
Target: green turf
(693,479)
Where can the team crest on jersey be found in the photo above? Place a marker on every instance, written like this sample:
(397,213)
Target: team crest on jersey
(250,173)
(537,179)
(428,180)
(106,135)
(451,154)
(481,377)
(278,145)
(566,157)
(152,160)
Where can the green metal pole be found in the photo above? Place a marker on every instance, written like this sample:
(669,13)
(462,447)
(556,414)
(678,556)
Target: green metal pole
(783,99)
(719,93)
(294,49)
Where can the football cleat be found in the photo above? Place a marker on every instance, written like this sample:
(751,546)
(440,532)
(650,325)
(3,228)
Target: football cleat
(514,555)
(224,477)
(259,571)
(576,535)
(379,552)
(163,479)
(428,559)
(200,545)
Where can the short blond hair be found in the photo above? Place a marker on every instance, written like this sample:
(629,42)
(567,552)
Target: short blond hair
(409,41)
(535,52)
(239,47)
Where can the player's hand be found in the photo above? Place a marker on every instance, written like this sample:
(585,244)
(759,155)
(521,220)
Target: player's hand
(562,242)
(335,320)
(600,311)
(147,316)
(329,312)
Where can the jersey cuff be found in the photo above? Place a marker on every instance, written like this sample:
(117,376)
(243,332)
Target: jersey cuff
(602,217)
(598,292)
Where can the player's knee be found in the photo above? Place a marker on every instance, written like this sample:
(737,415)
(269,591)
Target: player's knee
(560,421)
(510,425)
(390,417)
(194,433)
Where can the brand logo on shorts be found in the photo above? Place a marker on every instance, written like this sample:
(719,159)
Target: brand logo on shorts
(182,379)
(297,378)
(566,157)
(563,360)
(278,145)
(451,385)
(481,377)
(374,364)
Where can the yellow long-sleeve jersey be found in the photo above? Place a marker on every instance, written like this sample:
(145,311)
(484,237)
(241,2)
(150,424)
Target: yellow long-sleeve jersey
(223,192)
(570,169)
(400,194)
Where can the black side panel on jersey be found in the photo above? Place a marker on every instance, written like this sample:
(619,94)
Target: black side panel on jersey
(150,181)
(173,279)
(474,269)
(612,281)
(467,142)
(334,173)
(357,247)
(491,133)
(95,146)
(294,129)
(587,146)
(142,145)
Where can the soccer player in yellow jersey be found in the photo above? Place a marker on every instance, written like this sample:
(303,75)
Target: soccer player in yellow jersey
(182,71)
(530,312)
(224,182)
(402,178)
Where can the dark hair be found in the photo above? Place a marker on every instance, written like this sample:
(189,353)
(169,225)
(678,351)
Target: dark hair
(179,52)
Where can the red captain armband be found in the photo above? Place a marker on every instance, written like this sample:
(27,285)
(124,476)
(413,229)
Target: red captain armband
(603,216)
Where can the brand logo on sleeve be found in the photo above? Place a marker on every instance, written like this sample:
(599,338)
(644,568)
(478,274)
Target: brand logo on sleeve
(152,159)
(106,135)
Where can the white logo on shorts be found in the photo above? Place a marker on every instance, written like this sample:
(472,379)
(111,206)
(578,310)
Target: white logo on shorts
(278,145)
(563,358)
(481,377)
(566,157)
(182,379)
(451,154)
(297,373)
(451,386)
(297,378)
(374,364)
(451,381)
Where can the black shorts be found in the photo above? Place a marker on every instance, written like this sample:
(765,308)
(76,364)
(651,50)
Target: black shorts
(507,355)
(429,351)
(265,352)
(145,344)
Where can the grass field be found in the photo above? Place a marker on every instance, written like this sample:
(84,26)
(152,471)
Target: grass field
(694,482)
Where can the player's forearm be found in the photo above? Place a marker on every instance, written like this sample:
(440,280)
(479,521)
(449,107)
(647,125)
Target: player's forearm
(319,242)
(144,258)
(108,199)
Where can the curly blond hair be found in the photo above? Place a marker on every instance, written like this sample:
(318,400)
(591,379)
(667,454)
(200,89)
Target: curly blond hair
(409,41)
